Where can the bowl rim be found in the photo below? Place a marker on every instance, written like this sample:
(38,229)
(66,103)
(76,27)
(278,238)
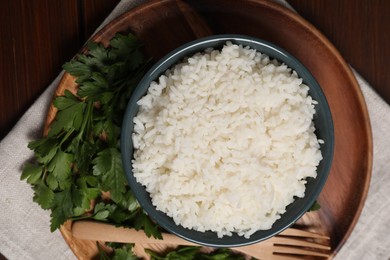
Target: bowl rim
(170,60)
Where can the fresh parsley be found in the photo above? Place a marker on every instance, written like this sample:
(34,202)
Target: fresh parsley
(195,253)
(316,206)
(120,252)
(78,163)
(124,251)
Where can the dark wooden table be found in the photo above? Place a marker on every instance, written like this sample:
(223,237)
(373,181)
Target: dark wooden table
(38,36)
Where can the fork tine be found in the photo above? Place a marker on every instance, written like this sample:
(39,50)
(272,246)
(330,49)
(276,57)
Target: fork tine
(302,233)
(301,243)
(297,251)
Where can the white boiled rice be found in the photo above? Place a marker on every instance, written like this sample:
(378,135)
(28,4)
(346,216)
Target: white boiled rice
(224,141)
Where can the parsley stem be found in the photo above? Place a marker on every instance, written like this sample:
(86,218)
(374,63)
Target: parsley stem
(87,119)
(44,174)
(69,133)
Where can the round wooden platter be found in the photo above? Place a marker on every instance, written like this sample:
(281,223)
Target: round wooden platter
(164,25)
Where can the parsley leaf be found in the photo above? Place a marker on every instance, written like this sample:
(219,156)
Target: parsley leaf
(194,252)
(108,166)
(79,159)
(316,206)
(60,165)
(88,190)
(188,253)
(124,254)
(62,209)
(120,252)
(69,116)
(44,149)
(32,173)
(44,196)
(142,221)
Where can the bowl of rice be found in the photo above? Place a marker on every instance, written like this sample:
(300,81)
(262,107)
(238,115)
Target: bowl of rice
(227,141)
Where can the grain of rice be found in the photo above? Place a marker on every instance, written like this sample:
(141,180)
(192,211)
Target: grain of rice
(225,140)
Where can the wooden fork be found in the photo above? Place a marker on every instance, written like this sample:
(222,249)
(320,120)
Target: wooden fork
(290,244)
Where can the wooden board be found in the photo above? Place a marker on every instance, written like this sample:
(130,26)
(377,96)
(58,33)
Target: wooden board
(165,25)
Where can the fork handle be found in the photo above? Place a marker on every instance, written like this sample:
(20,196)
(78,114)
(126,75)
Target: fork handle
(90,230)
(98,231)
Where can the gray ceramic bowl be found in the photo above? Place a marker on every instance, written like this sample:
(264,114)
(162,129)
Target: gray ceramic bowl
(322,120)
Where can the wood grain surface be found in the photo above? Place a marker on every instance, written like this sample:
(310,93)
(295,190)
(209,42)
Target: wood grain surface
(360,30)
(38,36)
(344,193)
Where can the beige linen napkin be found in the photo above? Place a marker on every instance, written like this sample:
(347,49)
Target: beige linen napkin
(24,226)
